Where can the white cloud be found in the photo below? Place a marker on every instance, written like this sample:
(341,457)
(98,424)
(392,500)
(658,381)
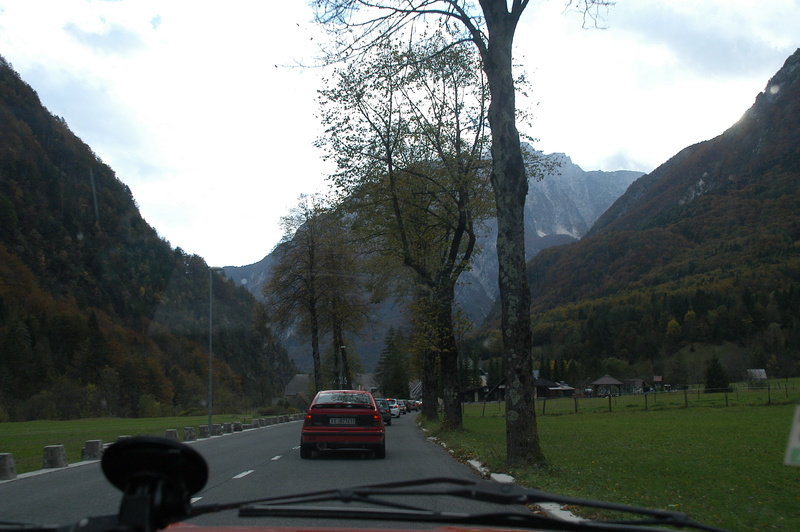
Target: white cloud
(184,101)
(661,76)
(115,39)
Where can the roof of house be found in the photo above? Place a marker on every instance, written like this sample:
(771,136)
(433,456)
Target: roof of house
(607,380)
(298,384)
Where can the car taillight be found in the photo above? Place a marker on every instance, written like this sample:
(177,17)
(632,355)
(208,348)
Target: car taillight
(307,421)
(377,420)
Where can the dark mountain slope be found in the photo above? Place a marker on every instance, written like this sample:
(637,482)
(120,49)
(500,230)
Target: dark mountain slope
(95,309)
(710,241)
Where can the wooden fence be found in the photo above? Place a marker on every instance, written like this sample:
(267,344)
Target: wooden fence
(737,395)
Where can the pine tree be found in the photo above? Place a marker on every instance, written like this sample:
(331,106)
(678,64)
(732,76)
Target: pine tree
(716,376)
(392,371)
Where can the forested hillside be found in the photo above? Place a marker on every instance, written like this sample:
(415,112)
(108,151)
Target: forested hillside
(98,314)
(700,256)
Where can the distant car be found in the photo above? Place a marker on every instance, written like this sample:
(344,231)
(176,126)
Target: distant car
(385,409)
(402,404)
(394,407)
(343,419)
(412,404)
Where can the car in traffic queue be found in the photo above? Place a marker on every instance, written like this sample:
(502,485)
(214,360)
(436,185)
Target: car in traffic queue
(394,406)
(403,407)
(385,409)
(343,419)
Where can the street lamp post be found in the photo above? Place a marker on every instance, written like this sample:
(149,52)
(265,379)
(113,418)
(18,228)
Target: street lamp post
(211,271)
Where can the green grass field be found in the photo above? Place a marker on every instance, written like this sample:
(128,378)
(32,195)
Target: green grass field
(27,440)
(722,466)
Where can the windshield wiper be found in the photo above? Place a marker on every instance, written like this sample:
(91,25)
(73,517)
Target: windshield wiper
(12,526)
(484,491)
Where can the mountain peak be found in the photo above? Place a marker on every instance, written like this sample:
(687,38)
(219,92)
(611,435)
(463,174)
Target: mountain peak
(787,76)
(764,138)
(782,87)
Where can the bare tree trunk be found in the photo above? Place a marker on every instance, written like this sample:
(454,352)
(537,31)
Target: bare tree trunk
(448,357)
(430,373)
(338,338)
(430,387)
(336,371)
(315,352)
(511,186)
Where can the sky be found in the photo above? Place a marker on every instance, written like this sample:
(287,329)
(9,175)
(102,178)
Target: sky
(200,107)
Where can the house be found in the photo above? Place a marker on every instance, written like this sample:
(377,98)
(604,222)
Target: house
(416,389)
(296,392)
(633,386)
(483,393)
(548,388)
(605,384)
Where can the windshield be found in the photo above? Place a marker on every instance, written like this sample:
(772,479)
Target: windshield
(324,399)
(559,243)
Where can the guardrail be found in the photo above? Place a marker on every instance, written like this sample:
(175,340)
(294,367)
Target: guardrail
(55,456)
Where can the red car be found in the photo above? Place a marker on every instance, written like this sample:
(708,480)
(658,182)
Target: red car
(343,419)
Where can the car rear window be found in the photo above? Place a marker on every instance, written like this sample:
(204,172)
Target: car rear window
(353,400)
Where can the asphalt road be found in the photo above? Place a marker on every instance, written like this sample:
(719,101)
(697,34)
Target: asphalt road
(243,466)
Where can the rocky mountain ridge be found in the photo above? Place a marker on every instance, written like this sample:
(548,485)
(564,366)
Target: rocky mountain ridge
(753,145)
(559,209)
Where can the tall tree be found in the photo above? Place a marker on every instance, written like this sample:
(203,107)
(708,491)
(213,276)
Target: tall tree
(716,376)
(315,283)
(295,292)
(344,307)
(407,129)
(391,372)
(490,26)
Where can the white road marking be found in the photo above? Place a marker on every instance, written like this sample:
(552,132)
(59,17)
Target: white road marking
(243,473)
(276,457)
(195,499)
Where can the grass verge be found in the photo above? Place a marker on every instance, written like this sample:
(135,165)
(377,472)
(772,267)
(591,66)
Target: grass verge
(722,466)
(27,440)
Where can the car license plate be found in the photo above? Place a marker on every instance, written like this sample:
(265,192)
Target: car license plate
(343,421)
